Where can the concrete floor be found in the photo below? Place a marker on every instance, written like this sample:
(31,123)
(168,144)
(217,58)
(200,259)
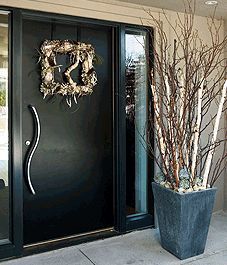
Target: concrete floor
(137,248)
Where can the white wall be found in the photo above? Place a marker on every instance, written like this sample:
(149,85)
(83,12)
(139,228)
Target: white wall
(114,11)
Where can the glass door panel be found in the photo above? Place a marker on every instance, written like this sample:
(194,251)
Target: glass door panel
(4,134)
(136,118)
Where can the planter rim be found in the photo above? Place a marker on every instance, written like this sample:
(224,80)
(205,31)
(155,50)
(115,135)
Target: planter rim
(186,193)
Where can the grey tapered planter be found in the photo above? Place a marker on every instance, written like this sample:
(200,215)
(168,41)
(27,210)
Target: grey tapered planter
(183,219)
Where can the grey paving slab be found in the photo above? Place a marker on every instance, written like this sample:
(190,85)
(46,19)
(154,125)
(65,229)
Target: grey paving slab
(137,248)
(143,247)
(66,256)
(217,237)
(215,259)
(140,247)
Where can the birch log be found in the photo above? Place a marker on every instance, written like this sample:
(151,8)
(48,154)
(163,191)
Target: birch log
(171,129)
(181,99)
(183,152)
(158,126)
(214,137)
(197,128)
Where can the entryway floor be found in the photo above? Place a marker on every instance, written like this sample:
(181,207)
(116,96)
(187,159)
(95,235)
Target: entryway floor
(137,248)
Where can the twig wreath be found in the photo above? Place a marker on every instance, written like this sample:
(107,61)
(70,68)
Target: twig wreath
(79,53)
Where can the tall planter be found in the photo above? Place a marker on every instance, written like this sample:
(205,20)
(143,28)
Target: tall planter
(183,219)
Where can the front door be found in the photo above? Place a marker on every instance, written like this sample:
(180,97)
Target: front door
(71,169)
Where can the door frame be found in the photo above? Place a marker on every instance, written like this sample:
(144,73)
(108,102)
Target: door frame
(122,223)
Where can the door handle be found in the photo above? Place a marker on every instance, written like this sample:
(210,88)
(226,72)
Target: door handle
(35,142)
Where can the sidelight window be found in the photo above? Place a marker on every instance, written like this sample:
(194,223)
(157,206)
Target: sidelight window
(136,117)
(4,136)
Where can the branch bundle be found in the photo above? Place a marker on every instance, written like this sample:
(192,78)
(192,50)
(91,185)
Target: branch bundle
(187,78)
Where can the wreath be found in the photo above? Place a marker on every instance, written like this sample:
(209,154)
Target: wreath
(79,52)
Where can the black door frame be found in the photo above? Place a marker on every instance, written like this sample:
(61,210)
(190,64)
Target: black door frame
(122,223)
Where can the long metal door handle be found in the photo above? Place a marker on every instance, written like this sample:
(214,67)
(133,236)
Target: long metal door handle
(34,145)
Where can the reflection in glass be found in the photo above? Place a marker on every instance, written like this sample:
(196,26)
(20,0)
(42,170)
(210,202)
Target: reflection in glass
(136,116)
(4,152)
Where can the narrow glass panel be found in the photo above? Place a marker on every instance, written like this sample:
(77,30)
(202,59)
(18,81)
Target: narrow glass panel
(136,116)
(4,136)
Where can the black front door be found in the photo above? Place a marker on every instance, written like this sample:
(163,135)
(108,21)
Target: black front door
(72,168)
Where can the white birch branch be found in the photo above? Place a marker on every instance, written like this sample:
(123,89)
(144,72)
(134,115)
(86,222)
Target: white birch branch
(170,125)
(197,129)
(214,137)
(182,98)
(158,127)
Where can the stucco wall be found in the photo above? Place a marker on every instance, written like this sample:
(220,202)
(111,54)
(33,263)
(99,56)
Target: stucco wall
(114,11)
